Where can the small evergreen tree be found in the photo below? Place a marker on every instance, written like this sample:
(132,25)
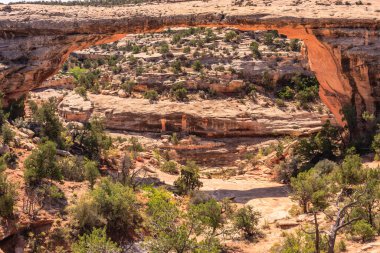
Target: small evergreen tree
(95,242)
(7,134)
(91,172)
(189,179)
(41,164)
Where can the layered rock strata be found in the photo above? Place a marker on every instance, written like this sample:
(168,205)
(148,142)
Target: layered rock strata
(210,118)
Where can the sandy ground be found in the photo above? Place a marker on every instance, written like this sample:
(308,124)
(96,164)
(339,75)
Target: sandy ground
(272,200)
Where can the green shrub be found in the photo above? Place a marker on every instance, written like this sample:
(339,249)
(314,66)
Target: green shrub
(286,93)
(94,140)
(41,164)
(279,102)
(72,168)
(254,46)
(164,48)
(86,213)
(298,242)
(176,66)
(178,92)
(294,45)
(7,197)
(128,86)
(172,230)
(197,66)
(46,118)
(81,91)
(135,145)
(174,139)
(11,159)
(95,242)
(186,50)
(341,246)
(363,230)
(152,95)
(7,134)
(91,172)
(246,220)
(230,36)
(110,204)
(169,167)
(189,179)
(376,144)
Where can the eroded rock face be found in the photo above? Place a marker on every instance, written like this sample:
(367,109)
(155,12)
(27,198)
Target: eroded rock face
(342,42)
(211,118)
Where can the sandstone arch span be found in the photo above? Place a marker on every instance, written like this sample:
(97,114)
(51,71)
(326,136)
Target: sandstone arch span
(344,51)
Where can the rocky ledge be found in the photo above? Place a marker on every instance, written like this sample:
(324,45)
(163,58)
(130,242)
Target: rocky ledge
(210,118)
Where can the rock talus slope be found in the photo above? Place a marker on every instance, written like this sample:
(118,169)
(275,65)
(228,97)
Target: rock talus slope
(342,41)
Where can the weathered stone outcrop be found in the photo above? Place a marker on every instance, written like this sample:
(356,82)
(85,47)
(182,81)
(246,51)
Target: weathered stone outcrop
(342,42)
(211,118)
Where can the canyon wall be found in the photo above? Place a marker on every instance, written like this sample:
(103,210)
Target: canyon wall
(343,44)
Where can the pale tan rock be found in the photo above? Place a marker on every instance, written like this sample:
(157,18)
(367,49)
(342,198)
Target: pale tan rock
(211,118)
(75,108)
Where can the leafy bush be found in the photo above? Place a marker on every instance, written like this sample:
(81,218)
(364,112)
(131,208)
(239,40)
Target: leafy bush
(286,93)
(7,134)
(172,230)
(91,172)
(176,66)
(230,36)
(325,166)
(169,167)
(254,46)
(197,66)
(41,164)
(268,38)
(135,145)
(7,197)
(376,144)
(189,179)
(327,143)
(86,213)
(47,120)
(96,242)
(350,171)
(164,48)
(174,139)
(178,92)
(72,168)
(110,204)
(246,220)
(363,230)
(298,242)
(309,187)
(341,246)
(94,140)
(11,159)
(81,91)
(152,95)
(294,45)
(128,86)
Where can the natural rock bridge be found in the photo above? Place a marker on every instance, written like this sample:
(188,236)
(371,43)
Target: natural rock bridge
(343,42)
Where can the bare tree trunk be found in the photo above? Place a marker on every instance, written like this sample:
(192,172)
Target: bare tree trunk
(332,237)
(317,239)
